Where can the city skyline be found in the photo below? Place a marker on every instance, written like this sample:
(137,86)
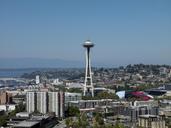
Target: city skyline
(124,32)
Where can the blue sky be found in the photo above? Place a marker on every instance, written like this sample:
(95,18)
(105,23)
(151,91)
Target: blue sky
(124,31)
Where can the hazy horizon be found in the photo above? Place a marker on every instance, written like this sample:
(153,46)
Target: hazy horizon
(124,32)
(29,63)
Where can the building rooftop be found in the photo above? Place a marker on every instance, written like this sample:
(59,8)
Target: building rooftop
(19,96)
(148,116)
(26,124)
(22,114)
(101,100)
(72,94)
(39,118)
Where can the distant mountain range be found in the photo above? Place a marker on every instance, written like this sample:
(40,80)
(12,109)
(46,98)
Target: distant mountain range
(38,63)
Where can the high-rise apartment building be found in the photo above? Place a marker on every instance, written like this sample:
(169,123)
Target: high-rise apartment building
(53,103)
(61,103)
(42,102)
(45,102)
(31,102)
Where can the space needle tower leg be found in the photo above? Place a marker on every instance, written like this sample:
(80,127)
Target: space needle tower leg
(88,84)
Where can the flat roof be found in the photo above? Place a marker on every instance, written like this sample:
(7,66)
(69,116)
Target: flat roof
(87,109)
(26,124)
(38,118)
(148,116)
(82,101)
(72,94)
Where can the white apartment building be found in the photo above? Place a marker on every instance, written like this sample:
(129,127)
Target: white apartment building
(41,102)
(45,102)
(31,101)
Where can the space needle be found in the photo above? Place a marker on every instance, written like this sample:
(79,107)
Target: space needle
(88,89)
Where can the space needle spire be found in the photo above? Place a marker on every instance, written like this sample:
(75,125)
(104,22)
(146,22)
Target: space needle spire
(88,83)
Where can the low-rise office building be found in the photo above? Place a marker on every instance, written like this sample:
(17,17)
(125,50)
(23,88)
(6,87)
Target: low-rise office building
(151,121)
(135,112)
(90,105)
(18,99)
(72,97)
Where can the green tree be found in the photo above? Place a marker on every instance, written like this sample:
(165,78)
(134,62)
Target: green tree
(106,95)
(20,108)
(3,120)
(73,111)
(75,90)
(98,121)
(169,126)
(69,122)
(82,121)
(118,125)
